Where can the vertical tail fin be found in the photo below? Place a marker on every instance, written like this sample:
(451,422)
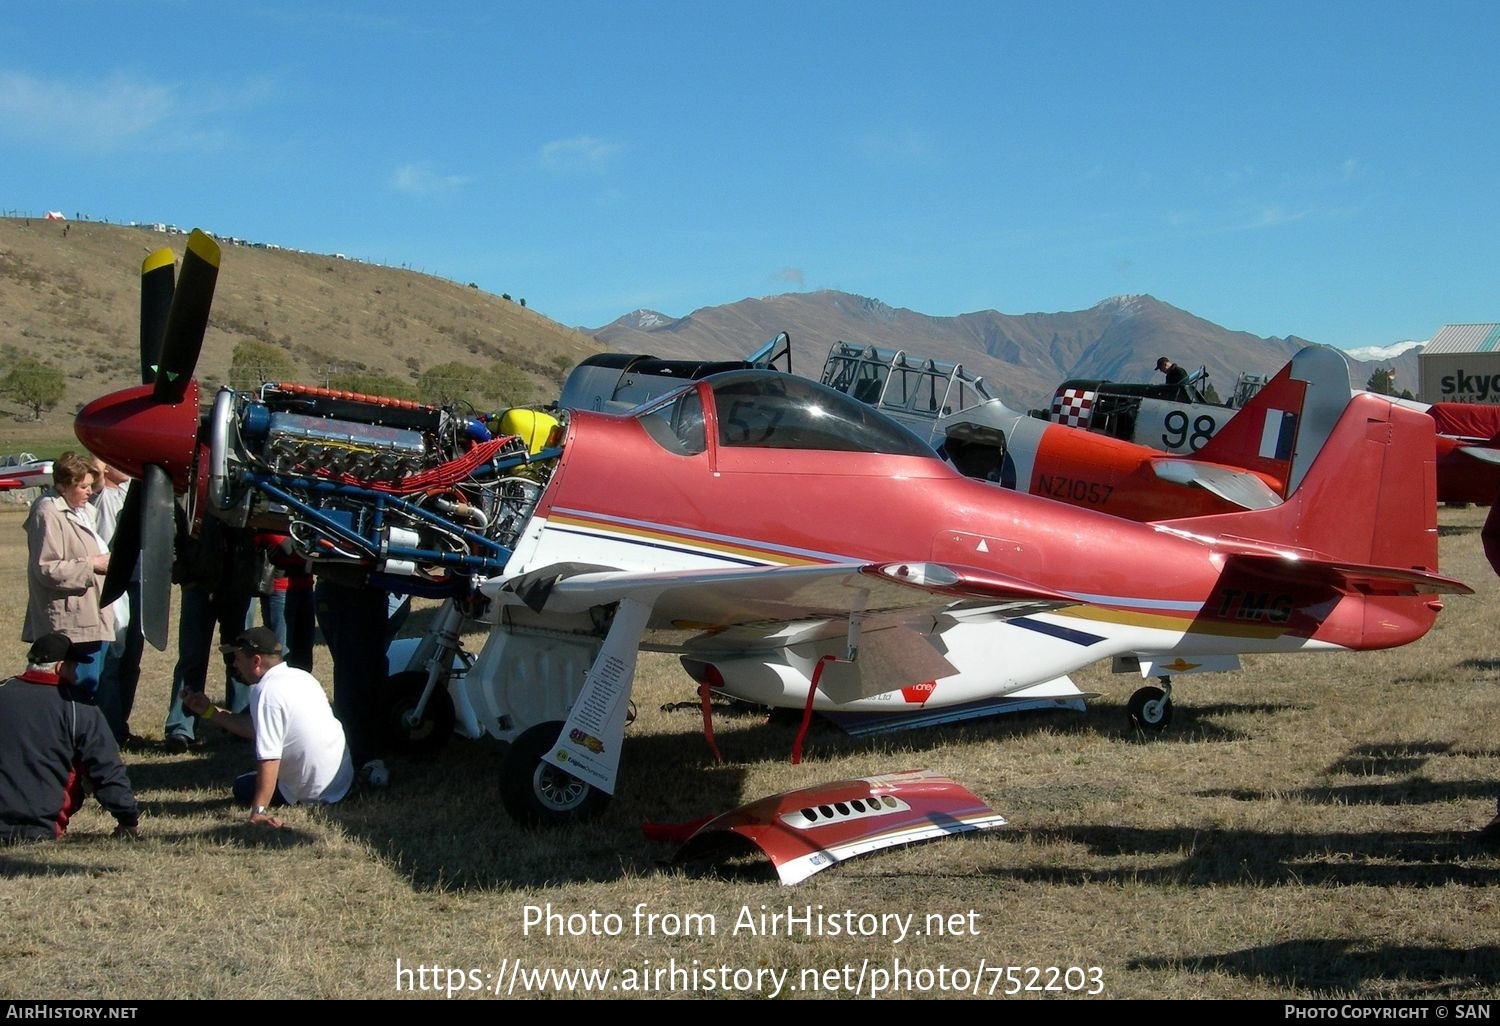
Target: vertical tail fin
(1280,431)
(1368,495)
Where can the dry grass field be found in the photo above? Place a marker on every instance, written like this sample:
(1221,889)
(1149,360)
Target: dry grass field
(1303,830)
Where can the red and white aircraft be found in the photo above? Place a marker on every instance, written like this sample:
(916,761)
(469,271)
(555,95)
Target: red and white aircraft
(25,471)
(1255,460)
(1261,453)
(1176,418)
(795,546)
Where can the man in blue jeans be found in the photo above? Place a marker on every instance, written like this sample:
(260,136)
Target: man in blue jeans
(211,597)
(357,624)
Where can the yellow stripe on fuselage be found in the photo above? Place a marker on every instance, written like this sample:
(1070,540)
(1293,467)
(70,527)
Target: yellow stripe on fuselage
(1180,624)
(659,536)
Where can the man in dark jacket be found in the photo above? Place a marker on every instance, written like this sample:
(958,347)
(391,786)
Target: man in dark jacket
(1175,374)
(51,748)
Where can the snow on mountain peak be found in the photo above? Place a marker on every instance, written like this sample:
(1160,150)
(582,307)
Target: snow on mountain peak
(1124,306)
(645,320)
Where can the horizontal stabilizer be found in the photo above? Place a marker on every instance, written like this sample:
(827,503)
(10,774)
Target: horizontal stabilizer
(1240,487)
(1352,578)
(1479,452)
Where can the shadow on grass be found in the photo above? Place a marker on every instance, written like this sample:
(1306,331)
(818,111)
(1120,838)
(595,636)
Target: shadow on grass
(1413,791)
(262,838)
(441,823)
(1191,724)
(1239,857)
(1378,759)
(15,865)
(212,767)
(1386,759)
(1402,971)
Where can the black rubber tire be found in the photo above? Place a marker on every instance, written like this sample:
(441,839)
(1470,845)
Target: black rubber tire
(1150,709)
(426,738)
(537,793)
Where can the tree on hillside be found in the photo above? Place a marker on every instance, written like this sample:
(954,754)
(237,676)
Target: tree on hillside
(371,383)
(505,386)
(34,385)
(1382,382)
(453,382)
(255,363)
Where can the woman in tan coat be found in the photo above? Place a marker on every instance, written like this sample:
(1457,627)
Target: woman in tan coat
(66,569)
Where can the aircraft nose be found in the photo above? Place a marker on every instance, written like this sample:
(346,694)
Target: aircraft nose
(131,430)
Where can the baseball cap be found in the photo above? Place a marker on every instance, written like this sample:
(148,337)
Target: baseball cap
(49,649)
(256,641)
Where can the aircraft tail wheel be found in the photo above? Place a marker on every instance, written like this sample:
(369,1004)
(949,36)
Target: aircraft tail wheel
(1150,709)
(537,793)
(417,738)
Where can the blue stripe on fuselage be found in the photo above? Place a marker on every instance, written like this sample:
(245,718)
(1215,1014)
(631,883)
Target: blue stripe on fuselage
(1083,638)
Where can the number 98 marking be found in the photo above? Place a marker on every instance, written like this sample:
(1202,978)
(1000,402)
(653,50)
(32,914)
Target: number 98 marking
(1204,427)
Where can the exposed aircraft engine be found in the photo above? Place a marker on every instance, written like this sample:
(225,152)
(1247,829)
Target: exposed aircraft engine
(428,500)
(295,441)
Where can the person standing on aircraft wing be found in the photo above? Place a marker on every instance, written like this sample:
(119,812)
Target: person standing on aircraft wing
(300,751)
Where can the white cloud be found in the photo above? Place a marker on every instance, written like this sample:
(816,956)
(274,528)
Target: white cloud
(1389,352)
(126,111)
(790,276)
(422,180)
(1273,215)
(582,152)
(98,115)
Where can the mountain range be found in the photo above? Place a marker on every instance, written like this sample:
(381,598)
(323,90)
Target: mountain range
(69,296)
(1022,357)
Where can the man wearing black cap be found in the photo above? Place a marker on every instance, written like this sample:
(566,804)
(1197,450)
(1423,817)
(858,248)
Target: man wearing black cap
(300,751)
(51,746)
(1175,374)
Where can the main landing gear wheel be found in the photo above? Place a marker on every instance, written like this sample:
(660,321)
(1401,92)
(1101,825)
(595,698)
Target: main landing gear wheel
(537,793)
(1150,709)
(416,738)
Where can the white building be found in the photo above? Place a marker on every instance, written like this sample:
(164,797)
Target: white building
(1461,365)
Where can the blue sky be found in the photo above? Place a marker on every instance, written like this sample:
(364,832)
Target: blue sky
(1324,169)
